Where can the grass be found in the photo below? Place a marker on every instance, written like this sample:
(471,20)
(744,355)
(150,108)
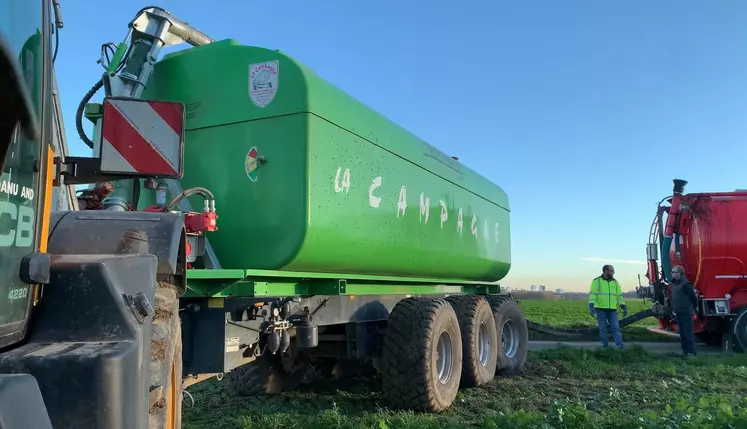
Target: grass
(560,389)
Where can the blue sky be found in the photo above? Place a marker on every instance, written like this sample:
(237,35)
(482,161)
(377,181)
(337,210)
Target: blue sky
(583,111)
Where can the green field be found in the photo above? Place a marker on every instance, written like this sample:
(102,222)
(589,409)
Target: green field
(560,389)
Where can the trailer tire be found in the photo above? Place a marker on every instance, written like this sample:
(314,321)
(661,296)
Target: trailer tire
(479,339)
(165,411)
(264,375)
(419,332)
(739,329)
(513,334)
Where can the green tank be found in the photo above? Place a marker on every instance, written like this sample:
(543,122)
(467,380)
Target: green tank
(306,178)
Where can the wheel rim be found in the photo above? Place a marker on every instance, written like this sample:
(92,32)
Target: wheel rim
(483,341)
(445,359)
(509,339)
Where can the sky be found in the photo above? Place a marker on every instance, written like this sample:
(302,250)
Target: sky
(582,111)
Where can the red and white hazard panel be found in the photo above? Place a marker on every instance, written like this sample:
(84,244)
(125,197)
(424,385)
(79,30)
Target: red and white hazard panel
(142,137)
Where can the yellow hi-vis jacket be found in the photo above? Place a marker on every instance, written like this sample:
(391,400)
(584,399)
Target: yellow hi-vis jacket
(605,294)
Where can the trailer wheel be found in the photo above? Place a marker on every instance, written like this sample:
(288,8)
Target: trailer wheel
(264,375)
(166,361)
(513,334)
(479,339)
(740,331)
(422,355)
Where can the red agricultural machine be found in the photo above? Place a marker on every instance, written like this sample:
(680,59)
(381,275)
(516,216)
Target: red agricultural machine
(706,233)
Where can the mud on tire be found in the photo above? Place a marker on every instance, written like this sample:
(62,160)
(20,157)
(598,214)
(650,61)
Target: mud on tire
(264,375)
(166,361)
(513,334)
(479,339)
(418,332)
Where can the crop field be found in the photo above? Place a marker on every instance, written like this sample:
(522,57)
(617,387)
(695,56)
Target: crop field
(560,389)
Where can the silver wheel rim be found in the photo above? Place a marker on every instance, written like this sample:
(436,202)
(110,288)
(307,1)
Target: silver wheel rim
(483,342)
(445,358)
(509,339)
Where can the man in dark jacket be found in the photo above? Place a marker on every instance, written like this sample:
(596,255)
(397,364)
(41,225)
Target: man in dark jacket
(684,304)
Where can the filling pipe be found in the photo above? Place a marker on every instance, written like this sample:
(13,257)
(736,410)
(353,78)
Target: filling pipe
(670,229)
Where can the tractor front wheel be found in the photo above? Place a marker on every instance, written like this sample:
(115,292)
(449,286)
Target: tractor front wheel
(166,361)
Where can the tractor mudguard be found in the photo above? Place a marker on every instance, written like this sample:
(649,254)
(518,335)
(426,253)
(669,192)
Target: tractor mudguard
(89,345)
(21,403)
(93,232)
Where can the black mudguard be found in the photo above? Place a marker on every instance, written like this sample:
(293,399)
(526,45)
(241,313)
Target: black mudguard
(94,232)
(89,346)
(21,403)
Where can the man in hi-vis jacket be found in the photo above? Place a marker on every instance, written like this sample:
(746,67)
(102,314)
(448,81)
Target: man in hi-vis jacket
(605,295)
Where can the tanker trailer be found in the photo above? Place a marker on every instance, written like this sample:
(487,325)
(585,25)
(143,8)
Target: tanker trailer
(342,237)
(706,233)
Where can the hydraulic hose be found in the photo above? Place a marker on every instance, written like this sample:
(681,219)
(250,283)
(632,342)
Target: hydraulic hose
(188,193)
(563,332)
(81,108)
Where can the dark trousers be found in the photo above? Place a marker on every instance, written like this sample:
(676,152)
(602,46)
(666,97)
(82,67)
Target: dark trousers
(605,316)
(687,334)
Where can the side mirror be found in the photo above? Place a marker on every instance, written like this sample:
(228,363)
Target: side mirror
(142,138)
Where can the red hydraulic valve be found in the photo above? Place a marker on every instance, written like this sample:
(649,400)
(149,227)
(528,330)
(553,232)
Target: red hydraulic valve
(198,222)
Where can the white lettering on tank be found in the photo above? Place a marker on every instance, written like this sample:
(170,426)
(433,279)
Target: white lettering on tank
(345,185)
(373,200)
(402,203)
(425,202)
(444,212)
(460,221)
(342,184)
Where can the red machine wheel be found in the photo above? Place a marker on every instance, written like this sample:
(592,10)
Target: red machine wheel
(739,329)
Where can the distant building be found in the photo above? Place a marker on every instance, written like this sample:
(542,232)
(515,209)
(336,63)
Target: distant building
(542,288)
(559,291)
(533,288)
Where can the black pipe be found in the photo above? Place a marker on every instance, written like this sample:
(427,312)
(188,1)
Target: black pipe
(679,186)
(563,332)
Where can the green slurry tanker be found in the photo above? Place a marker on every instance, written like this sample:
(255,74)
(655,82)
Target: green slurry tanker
(301,228)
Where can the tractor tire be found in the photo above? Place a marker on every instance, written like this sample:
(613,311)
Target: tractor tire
(421,362)
(739,329)
(513,334)
(166,361)
(264,376)
(479,339)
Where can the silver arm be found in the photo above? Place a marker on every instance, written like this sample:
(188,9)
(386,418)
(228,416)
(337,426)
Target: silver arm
(152,30)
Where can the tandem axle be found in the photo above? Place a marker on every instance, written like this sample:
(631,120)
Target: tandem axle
(268,344)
